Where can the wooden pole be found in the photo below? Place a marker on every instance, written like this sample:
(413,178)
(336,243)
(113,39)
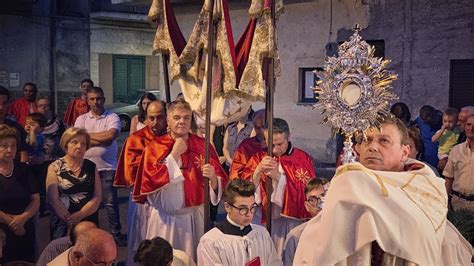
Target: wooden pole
(165,61)
(210,59)
(269,109)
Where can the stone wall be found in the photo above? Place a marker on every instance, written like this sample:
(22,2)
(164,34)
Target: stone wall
(26,48)
(421,37)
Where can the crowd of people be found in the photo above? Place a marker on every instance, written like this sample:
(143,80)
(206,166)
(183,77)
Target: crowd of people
(68,168)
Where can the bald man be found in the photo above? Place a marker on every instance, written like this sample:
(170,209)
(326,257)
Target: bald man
(58,246)
(89,244)
(155,125)
(249,146)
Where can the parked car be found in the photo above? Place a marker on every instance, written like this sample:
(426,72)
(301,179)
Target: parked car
(127,112)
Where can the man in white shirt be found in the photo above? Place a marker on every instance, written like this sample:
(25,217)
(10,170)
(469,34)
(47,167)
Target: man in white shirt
(236,241)
(103,128)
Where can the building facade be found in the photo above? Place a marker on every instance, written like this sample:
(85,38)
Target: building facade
(430,43)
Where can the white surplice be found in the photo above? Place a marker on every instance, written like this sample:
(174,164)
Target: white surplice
(404,212)
(291,242)
(137,224)
(170,219)
(217,248)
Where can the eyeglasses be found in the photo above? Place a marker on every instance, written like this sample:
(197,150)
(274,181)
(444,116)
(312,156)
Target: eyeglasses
(245,210)
(100,263)
(313,200)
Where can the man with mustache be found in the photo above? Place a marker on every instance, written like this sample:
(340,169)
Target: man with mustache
(171,179)
(137,216)
(387,209)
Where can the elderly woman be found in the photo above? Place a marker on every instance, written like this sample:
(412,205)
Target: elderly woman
(19,200)
(73,184)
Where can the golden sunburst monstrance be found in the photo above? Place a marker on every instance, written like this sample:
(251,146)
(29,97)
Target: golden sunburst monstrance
(354,90)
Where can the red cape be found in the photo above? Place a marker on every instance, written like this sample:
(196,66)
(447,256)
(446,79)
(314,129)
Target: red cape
(152,173)
(299,169)
(75,108)
(246,149)
(130,156)
(20,108)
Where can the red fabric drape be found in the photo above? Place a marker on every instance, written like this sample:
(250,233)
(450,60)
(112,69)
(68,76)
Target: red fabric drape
(240,53)
(177,37)
(243,48)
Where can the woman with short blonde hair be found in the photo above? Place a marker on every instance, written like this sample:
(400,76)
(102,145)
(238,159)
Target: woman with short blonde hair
(71,133)
(73,184)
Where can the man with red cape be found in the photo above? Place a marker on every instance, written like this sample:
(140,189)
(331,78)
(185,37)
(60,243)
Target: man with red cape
(20,108)
(289,171)
(249,146)
(170,179)
(78,106)
(127,167)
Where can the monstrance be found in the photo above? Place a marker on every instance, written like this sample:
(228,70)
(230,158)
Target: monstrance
(354,90)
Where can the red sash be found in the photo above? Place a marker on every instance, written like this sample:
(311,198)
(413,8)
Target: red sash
(130,157)
(299,169)
(153,174)
(246,149)
(75,108)
(20,108)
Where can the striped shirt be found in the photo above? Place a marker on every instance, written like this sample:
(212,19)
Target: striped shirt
(53,249)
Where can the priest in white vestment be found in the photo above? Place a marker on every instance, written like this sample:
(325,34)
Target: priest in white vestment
(171,179)
(386,210)
(236,241)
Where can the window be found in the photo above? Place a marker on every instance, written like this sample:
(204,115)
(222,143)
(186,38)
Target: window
(128,77)
(307,80)
(461,83)
(379,47)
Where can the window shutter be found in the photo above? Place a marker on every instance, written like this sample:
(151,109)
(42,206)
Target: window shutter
(137,76)
(120,78)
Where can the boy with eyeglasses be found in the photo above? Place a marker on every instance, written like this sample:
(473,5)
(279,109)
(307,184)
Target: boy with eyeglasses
(314,191)
(236,241)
